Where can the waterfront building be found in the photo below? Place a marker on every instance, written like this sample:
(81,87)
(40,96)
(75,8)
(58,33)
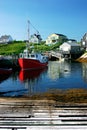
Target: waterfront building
(70,50)
(70,47)
(84,41)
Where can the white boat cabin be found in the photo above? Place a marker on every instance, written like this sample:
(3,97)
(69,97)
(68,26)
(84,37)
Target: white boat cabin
(35,56)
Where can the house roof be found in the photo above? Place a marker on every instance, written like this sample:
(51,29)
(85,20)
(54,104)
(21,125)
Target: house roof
(72,40)
(4,37)
(71,43)
(37,36)
(60,34)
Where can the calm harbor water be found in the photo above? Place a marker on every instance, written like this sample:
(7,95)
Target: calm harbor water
(58,75)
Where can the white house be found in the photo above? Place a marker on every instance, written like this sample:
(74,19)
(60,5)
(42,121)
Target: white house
(84,41)
(36,38)
(6,39)
(54,38)
(70,47)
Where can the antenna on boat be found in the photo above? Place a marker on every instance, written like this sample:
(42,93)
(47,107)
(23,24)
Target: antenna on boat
(37,34)
(28,30)
(34,27)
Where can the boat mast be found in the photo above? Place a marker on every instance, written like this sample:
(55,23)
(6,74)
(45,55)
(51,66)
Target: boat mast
(37,33)
(28,30)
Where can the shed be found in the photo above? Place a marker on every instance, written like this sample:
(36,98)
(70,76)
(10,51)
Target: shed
(70,47)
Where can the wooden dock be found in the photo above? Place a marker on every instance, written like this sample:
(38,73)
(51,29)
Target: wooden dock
(56,55)
(42,115)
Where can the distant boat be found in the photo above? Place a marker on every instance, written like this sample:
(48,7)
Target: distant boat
(5,66)
(34,60)
(4,71)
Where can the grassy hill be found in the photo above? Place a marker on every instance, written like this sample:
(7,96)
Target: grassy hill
(17,47)
(8,49)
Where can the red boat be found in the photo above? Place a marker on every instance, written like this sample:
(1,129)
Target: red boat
(32,60)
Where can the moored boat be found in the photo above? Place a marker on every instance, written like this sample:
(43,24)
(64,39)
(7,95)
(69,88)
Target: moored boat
(4,71)
(32,60)
(5,66)
(5,63)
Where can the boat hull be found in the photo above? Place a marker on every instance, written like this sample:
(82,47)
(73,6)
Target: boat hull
(4,71)
(25,63)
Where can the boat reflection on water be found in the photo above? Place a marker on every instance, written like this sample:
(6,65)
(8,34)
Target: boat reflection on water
(30,74)
(30,78)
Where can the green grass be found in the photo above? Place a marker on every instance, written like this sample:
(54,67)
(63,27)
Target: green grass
(16,48)
(12,48)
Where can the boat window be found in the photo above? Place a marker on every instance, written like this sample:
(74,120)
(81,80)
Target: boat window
(28,55)
(36,55)
(32,55)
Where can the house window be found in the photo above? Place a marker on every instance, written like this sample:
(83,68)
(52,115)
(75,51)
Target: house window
(54,41)
(83,43)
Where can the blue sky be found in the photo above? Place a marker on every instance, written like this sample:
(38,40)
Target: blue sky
(68,17)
